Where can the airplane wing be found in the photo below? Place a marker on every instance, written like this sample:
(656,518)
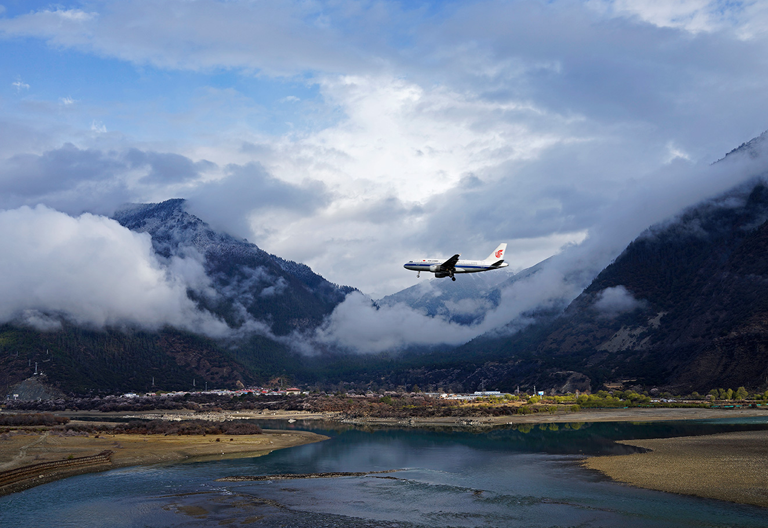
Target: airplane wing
(450,263)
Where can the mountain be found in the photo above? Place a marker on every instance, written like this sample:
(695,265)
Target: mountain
(249,288)
(691,303)
(249,282)
(684,307)
(81,361)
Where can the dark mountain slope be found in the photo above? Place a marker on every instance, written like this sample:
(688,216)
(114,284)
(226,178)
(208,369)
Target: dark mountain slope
(82,361)
(248,286)
(685,306)
(249,281)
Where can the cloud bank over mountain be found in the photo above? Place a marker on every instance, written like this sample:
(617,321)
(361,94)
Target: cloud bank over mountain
(358,324)
(93,272)
(355,136)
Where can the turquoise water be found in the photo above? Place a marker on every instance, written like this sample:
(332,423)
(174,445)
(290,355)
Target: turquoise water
(504,477)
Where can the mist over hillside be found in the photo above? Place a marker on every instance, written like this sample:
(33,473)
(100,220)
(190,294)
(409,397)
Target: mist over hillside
(249,288)
(680,306)
(683,307)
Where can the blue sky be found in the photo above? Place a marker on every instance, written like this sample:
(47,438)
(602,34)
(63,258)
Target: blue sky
(418,128)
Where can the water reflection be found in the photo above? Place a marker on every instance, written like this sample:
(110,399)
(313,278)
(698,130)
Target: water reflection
(573,438)
(524,475)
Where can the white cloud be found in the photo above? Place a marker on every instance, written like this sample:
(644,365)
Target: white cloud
(260,35)
(39,321)
(691,15)
(615,301)
(98,127)
(358,325)
(20,85)
(397,148)
(92,271)
(530,122)
(675,152)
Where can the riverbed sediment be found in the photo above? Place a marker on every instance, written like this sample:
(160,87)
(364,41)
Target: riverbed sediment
(728,466)
(26,448)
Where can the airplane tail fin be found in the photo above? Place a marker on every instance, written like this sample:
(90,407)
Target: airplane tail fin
(498,253)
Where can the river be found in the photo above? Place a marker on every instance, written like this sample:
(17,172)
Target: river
(524,477)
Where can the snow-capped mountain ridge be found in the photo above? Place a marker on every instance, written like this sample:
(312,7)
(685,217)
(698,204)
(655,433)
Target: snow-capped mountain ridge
(250,283)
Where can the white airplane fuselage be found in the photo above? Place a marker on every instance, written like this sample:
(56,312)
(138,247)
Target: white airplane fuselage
(462,266)
(447,267)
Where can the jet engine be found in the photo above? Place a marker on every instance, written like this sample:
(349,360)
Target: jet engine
(441,274)
(434,268)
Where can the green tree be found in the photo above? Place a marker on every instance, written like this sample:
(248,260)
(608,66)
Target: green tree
(741,393)
(729,394)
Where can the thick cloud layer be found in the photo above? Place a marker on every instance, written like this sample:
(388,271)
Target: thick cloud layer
(92,271)
(355,136)
(324,131)
(358,324)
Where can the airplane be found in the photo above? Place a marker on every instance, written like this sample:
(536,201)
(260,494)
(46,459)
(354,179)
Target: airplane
(447,268)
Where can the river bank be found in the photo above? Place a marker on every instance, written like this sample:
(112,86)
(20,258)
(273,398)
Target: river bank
(730,466)
(29,446)
(630,414)
(26,447)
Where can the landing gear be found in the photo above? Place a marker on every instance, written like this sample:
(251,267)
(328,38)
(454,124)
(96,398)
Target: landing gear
(418,274)
(453,278)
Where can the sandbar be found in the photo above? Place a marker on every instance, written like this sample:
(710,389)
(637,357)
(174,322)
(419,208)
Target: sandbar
(35,447)
(728,466)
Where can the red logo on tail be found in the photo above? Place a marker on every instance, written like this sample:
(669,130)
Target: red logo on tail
(499,253)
